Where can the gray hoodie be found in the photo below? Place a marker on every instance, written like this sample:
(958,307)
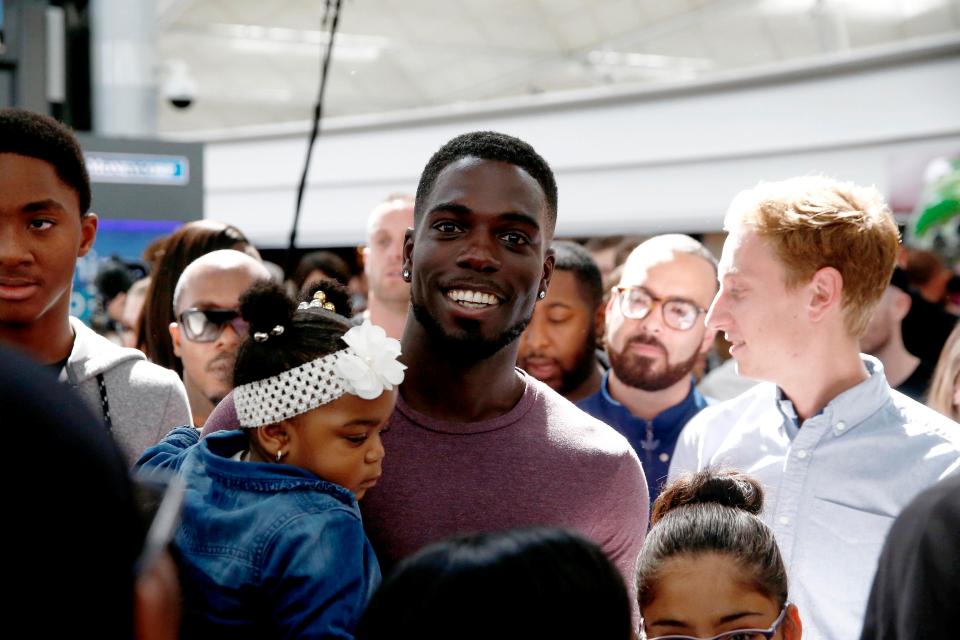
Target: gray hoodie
(145,400)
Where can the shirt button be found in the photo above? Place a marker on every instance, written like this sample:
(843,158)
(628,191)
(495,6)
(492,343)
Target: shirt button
(784,519)
(802,454)
(841,425)
(664,457)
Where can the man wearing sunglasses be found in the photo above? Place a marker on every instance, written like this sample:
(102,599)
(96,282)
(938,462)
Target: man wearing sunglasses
(209,329)
(655,333)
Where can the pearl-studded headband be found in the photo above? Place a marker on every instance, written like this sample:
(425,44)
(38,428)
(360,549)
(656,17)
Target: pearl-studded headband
(366,368)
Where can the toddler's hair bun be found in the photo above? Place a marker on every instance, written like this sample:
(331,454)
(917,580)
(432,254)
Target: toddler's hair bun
(334,292)
(725,487)
(266,305)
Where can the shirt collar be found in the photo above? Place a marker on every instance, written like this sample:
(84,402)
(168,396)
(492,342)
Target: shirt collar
(852,406)
(691,403)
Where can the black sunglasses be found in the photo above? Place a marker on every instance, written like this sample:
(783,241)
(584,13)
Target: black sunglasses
(206,325)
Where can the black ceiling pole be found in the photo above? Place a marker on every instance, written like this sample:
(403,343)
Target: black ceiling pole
(315,131)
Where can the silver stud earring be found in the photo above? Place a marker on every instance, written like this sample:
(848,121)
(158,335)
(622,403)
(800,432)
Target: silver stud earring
(279,454)
(542,295)
(406,274)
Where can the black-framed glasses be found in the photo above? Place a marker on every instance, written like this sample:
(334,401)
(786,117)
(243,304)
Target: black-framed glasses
(637,302)
(206,325)
(736,634)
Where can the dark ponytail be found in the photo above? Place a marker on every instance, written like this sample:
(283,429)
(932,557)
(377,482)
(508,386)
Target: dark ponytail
(306,334)
(712,512)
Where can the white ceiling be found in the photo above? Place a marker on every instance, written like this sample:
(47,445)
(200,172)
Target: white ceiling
(257,61)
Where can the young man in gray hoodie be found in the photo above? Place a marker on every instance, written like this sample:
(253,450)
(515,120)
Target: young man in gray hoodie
(45,225)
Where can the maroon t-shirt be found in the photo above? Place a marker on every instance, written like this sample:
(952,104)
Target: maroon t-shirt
(543,463)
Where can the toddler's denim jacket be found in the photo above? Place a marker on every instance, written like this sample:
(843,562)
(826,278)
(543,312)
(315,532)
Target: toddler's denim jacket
(268,550)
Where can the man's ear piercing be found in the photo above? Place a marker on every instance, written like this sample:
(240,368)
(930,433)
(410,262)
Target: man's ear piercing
(406,275)
(542,295)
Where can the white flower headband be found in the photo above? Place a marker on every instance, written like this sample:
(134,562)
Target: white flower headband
(366,368)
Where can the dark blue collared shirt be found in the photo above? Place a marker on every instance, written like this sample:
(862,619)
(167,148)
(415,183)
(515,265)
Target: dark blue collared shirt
(653,440)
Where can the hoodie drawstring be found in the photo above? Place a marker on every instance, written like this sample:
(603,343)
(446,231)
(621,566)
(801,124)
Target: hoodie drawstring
(104,403)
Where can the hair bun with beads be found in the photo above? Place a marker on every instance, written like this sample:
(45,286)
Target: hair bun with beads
(283,337)
(727,487)
(265,306)
(333,294)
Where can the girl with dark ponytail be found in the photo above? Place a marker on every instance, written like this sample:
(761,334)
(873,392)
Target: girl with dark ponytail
(710,568)
(271,540)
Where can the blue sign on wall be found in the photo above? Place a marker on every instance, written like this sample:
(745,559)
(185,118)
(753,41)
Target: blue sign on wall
(137,168)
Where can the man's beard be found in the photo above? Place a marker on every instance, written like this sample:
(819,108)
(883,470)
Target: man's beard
(584,365)
(637,371)
(467,347)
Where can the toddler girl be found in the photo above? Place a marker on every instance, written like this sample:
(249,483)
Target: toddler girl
(271,540)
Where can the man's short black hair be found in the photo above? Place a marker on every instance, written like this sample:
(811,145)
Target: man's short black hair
(489,145)
(570,256)
(37,136)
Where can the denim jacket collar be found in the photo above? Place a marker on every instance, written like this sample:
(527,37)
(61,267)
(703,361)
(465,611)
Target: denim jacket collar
(215,453)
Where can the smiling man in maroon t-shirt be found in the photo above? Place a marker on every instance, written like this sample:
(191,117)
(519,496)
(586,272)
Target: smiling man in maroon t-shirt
(476,444)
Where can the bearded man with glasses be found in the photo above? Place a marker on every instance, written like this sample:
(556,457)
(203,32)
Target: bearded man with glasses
(209,328)
(655,333)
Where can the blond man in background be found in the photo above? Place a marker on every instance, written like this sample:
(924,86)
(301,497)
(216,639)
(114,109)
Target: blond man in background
(837,451)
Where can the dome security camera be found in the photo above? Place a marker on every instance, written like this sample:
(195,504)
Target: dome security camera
(179,87)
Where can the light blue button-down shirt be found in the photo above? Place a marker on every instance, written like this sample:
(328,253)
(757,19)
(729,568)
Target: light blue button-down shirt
(833,485)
